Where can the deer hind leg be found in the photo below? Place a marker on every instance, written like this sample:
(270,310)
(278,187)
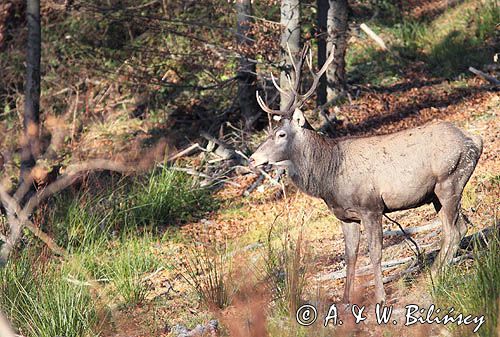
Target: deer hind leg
(351,232)
(449,194)
(373,226)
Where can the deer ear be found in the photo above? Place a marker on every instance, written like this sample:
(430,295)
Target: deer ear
(299,118)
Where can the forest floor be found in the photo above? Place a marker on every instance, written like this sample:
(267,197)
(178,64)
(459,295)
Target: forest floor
(243,222)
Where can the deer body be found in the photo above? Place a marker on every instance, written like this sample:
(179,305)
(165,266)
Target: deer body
(360,179)
(383,173)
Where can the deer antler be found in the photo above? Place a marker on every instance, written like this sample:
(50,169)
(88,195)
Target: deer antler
(296,100)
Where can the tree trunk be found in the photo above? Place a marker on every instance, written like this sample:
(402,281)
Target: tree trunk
(32,88)
(290,38)
(247,79)
(337,35)
(322,35)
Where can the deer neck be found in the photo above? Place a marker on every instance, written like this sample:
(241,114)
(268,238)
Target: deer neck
(314,163)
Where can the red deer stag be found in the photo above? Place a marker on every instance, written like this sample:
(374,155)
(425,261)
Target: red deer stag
(362,178)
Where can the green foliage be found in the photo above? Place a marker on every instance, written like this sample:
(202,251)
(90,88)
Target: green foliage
(166,197)
(477,290)
(43,303)
(79,223)
(162,197)
(446,45)
(125,267)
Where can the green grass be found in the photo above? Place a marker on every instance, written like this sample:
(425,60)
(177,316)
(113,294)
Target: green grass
(446,46)
(111,237)
(166,197)
(476,290)
(127,267)
(161,198)
(42,303)
(207,271)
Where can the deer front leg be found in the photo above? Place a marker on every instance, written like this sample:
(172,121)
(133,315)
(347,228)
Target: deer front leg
(351,232)
(373,226)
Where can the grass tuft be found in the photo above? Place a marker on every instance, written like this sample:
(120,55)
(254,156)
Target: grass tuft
(476,290)
(207,271)
(43,303)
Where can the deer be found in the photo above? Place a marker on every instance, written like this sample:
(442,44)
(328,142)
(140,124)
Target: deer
(361,179)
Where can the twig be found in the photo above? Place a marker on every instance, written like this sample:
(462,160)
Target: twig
(394,277)
(487,77)
(254,185)
(153,274)
(191,172)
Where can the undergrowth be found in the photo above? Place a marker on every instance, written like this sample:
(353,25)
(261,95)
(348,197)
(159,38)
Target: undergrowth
(110,236)
(475,290)
(445,47)
(42,303)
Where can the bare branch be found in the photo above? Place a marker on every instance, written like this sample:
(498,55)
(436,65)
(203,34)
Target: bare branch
(17,220)
(73,173)
(413,230)
(487,77)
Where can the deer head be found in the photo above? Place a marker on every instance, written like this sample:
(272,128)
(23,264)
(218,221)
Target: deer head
(276,148)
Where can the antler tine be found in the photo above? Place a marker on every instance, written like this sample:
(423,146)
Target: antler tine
(278,87)
(294,101)
(317,77)
(289,79)
(264,107)
(309,62)
(292,59)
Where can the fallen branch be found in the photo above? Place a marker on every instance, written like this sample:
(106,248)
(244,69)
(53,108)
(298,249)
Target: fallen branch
(223,150)
(186,152)
(413,230)
(254,185)
(487,77)
(366,270)
(374,36)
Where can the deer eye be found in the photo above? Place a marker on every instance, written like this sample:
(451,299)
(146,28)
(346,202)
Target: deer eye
(281,134)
